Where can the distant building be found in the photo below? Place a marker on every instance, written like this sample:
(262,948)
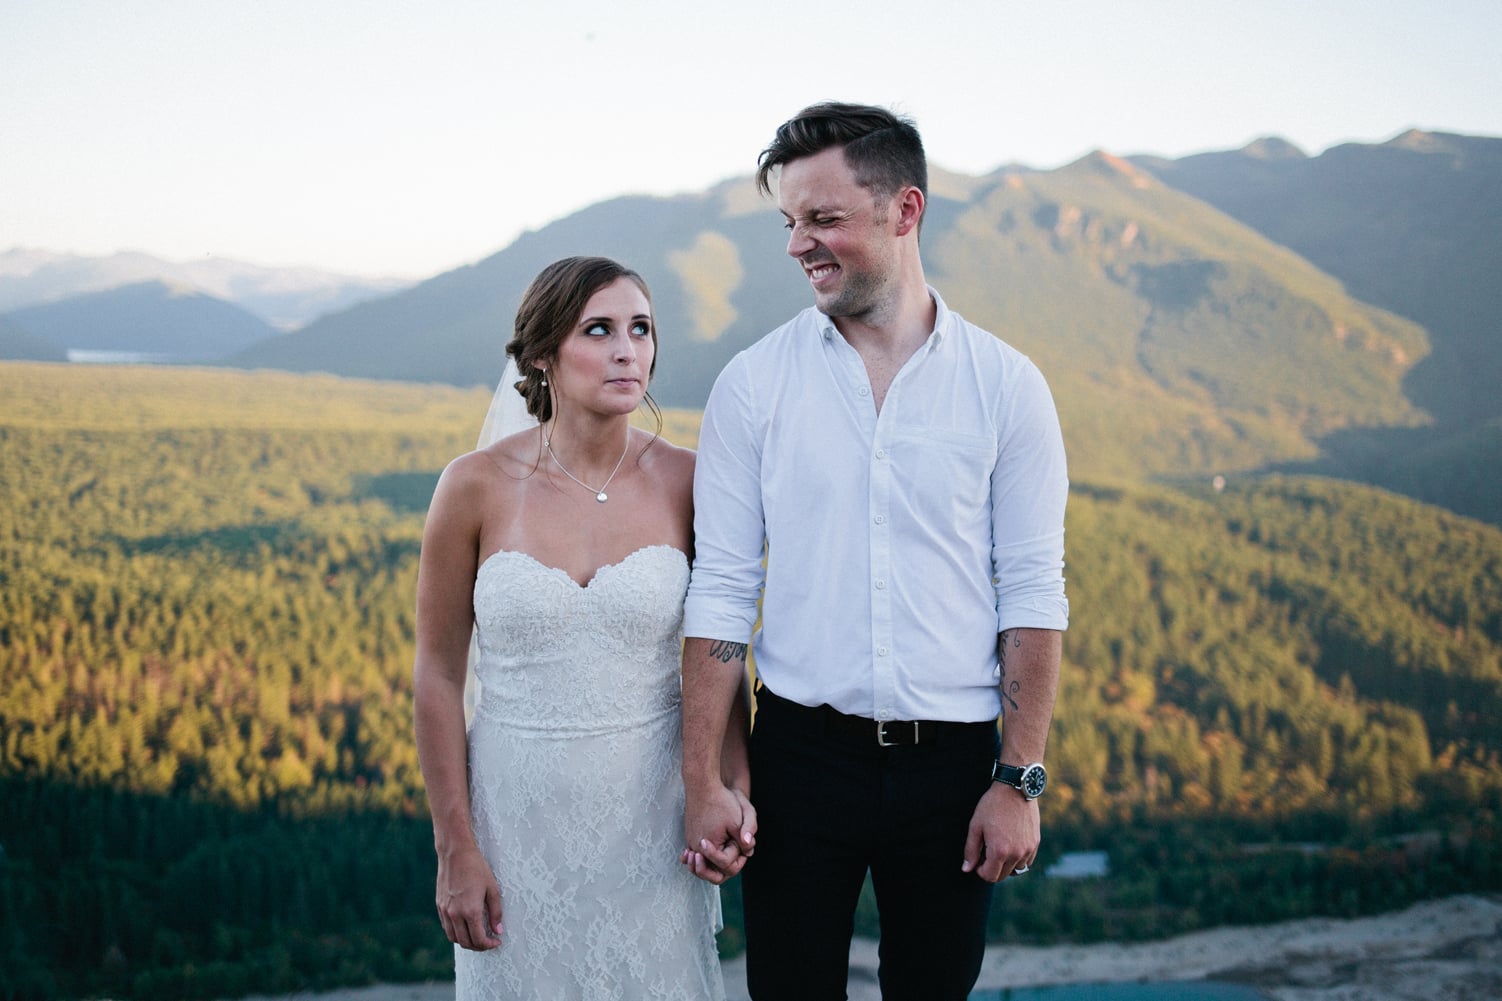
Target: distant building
(1079,865)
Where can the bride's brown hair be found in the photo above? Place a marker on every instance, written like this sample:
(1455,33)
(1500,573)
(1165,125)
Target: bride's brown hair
(549,309)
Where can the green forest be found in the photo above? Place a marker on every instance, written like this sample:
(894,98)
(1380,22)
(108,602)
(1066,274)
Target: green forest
(1280,698)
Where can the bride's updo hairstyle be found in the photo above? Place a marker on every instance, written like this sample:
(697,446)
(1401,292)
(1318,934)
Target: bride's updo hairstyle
(549,309)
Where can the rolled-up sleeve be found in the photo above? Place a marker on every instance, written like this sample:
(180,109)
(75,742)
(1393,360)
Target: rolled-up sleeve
(1029,490)
(729,528)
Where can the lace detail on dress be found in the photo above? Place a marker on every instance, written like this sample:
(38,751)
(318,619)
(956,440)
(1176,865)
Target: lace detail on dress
(575,785)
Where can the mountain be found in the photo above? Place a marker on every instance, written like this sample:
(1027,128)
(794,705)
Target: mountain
(453,328)
(1176,339)
(284,297)
(151,318)
(1222,313)
(1409,225)
(17,344)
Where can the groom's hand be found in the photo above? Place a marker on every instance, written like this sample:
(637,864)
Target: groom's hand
(1003,836)
(719,830)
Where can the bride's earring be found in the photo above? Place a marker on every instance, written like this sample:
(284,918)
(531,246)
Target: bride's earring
(544,378)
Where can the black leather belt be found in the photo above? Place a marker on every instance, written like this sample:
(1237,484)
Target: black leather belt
(884,733)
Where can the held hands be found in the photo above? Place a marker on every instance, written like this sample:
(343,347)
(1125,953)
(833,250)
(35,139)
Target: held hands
(1004,834)
(469,901)
(720,831)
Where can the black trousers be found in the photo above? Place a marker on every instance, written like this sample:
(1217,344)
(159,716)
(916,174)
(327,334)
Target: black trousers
(831,805)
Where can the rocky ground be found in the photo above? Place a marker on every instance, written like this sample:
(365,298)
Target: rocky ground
(1441,950)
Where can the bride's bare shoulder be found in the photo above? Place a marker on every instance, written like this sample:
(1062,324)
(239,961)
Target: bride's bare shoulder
(497,466)
(669,462)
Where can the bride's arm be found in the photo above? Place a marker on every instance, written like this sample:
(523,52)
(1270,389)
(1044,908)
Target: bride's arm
(468,899)
(735,763)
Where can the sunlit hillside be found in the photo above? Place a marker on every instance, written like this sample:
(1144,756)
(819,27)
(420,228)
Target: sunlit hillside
(206,633)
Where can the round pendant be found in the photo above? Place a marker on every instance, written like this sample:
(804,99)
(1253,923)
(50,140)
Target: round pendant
(601,497)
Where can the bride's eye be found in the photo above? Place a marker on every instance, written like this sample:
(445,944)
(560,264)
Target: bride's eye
(641,329)
(597,330)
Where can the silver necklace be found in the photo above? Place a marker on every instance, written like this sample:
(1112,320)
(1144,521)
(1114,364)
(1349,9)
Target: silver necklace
(600,494)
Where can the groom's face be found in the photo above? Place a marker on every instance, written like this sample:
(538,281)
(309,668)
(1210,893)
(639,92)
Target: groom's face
(839,233)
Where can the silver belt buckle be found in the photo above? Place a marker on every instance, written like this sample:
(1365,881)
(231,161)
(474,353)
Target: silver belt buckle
(881,733)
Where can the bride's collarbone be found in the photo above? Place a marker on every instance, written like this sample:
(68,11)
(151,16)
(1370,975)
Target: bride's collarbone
(631,493)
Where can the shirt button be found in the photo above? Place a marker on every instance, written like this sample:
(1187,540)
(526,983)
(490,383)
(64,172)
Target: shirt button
(863,391)
(880,584)
(881,651)
(881,453)
(881,519)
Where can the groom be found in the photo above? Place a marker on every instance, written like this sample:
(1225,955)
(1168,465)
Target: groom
(903,473)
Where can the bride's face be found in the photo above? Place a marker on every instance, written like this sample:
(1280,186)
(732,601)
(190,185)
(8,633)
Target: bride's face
(604,362)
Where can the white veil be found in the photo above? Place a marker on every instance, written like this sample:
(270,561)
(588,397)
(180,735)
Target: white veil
(507,415)
(508,411)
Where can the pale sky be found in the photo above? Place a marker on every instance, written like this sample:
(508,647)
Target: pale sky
(382,137)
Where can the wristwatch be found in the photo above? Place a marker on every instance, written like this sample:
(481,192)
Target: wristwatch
(1030,780)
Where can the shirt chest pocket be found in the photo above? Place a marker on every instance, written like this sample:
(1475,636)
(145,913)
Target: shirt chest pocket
(942,473)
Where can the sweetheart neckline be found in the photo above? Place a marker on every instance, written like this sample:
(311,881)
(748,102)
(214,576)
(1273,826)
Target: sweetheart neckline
(570,577)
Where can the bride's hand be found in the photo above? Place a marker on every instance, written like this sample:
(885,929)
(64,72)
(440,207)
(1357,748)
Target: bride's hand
(720,830)
(469,900)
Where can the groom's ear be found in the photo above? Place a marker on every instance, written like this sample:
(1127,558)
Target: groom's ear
(910,205)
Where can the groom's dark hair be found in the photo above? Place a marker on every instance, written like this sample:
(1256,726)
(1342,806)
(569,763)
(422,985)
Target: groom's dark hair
(882,149)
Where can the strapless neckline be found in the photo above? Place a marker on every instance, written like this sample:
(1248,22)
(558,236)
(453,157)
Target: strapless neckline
(601,571)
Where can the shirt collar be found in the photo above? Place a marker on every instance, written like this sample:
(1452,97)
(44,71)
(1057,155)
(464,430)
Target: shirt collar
(942,319)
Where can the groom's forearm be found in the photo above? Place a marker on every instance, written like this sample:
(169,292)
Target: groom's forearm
(1029,670)
(715,715)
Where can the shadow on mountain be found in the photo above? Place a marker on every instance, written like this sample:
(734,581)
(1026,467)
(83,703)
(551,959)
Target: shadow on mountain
(406,493)
(208,900)
(1460,470)
(233,540)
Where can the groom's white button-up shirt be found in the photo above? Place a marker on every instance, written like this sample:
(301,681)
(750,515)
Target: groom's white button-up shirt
(897,544)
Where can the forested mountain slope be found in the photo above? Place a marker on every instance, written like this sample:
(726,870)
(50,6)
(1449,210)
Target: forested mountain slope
(206,612)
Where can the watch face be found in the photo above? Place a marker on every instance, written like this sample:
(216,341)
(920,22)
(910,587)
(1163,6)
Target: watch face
(1034,781)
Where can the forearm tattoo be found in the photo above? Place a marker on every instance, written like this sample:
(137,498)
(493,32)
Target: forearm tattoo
(1009,688)
(725,651)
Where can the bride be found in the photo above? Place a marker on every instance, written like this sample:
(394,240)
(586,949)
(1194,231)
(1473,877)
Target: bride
(564,548)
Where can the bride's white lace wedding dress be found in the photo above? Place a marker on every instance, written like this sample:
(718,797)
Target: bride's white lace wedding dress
(575,786)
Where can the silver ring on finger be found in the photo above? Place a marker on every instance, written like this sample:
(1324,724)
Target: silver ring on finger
(1020,870)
